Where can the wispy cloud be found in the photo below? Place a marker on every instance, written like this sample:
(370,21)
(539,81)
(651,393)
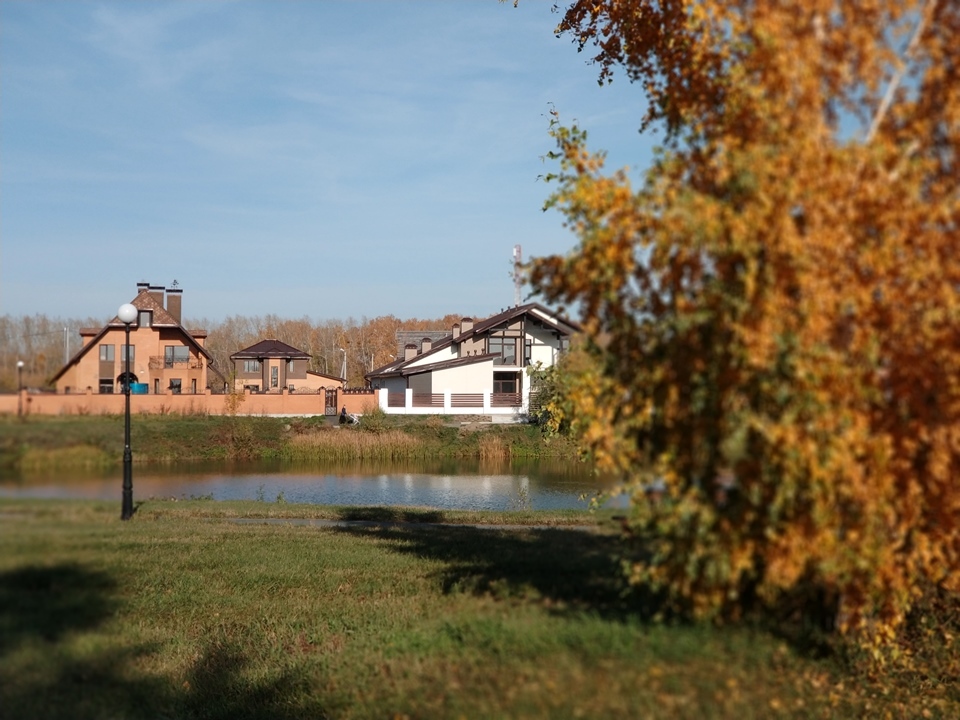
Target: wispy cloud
(251,142)
(157,41)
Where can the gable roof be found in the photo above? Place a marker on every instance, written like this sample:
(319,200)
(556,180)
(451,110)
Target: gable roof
(161,318)
(415,336)
(543,315)
(146,301)
(271,348)
(538,311)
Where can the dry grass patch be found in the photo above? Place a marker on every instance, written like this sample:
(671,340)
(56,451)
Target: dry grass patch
(77,456)
(492,447)
(351,444)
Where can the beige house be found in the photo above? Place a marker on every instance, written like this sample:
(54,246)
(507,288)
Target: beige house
(165,357)
(271,366)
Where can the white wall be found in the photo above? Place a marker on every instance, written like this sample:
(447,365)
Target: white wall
(545,345)
(434,357)
(474,378)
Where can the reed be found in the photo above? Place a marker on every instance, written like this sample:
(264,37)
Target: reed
(97,441)
(351,444)
(76,456)
(492,447)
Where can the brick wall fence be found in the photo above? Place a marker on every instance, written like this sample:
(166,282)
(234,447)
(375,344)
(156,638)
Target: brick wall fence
(357,401)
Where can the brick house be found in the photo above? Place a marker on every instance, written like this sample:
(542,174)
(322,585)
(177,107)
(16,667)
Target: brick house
(271,365)
(165,357)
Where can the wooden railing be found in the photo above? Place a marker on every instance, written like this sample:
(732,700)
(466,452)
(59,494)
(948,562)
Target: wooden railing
(457,400)
(466,400)
(505,400)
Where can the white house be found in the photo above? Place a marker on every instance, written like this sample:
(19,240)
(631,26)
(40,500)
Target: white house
(478,369)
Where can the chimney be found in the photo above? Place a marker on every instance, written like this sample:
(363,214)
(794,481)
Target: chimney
(156,292)
(409,351)
(466,325)
(456,330)
(174,303)
(425,345)
(142,287)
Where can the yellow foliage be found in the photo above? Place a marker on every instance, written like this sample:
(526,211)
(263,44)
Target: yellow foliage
(774,315)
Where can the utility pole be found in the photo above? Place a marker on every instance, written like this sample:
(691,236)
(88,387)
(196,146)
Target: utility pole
(517,280)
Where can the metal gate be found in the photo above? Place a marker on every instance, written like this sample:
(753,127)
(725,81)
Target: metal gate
(330,404)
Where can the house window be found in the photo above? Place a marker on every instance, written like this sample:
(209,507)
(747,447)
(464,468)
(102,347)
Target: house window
(193,386)
(290,367)
(106,386)
(527,351)
(175,385)
(106,353)
(505,382)
(145,318)
(251,366)
(175,354)
(506,348)
(123,350)
(274,376)
(156,386)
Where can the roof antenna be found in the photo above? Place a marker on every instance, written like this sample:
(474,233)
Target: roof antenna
(517,278)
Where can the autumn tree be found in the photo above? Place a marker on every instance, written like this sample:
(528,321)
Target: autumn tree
(42,343)
(367,342)
(775,309)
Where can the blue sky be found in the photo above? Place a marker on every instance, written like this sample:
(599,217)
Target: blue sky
(300,158)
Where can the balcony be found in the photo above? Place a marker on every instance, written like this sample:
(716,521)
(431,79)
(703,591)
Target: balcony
(159,362)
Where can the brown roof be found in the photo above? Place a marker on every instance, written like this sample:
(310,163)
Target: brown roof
(567,327)
(270,349)
(398,367)
(325,375)
(161,318)
(145,301)
(405,337)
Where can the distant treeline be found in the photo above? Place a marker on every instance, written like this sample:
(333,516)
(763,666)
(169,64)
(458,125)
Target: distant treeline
(44,343)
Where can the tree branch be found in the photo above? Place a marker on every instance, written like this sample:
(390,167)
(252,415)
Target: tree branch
(901,71)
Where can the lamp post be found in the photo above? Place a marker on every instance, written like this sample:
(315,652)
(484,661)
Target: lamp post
(20,389)
(127,314)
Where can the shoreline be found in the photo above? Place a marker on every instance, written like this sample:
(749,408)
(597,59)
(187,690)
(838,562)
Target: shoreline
(74,442)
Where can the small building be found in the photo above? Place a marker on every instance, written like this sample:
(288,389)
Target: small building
(479,367)
(272,365)
(165,357)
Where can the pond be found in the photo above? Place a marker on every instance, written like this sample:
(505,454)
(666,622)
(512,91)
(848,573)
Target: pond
(442,485)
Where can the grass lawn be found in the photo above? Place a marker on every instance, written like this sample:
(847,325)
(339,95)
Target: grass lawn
(183,612)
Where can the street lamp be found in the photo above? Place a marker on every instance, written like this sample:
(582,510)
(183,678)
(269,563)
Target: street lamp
(127,314)
(19,388)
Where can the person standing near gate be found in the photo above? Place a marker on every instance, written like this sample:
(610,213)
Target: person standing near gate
(343,415)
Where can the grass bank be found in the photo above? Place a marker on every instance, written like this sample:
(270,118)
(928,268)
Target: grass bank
(185,613)
(46,442)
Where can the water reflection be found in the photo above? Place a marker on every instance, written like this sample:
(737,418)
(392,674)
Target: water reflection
(442,484)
